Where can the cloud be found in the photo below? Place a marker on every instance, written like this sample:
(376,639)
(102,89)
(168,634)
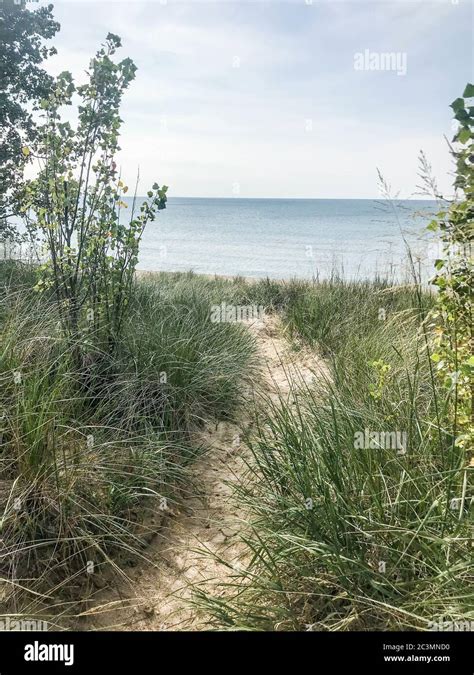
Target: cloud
(266,95)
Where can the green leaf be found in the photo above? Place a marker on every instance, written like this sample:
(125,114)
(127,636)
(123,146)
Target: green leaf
(464,135)
(458,104)
(469,91)
(462,116)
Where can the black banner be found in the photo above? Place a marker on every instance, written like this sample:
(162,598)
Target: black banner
(139,652)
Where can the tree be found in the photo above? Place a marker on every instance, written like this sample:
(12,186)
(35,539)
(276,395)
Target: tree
(23,84)
(76,202)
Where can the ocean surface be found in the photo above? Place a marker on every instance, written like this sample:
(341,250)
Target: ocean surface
(288,238)
(285,238)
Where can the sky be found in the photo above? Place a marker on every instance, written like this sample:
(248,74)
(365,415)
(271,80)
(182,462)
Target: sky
(280,98)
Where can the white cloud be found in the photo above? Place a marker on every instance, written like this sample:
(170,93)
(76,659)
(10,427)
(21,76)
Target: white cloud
(199,123)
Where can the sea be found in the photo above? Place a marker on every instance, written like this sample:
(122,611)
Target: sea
(291,238)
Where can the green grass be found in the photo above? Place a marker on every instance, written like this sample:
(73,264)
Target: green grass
(349,538)
(175,367)
(332,314)
(92,446)
(325,513)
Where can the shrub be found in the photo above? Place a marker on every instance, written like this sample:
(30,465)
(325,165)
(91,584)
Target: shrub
(76,202)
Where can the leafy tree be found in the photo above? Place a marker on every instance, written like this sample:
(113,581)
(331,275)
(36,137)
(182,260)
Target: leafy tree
(23,83)
(77,201)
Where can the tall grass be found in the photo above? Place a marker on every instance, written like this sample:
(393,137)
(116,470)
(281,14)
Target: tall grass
(343,537)
(94,451)
(346,537)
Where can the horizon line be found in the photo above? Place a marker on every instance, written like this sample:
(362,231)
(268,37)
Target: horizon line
(367,199)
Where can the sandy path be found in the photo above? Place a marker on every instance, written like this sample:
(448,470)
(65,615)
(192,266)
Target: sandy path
(158,592)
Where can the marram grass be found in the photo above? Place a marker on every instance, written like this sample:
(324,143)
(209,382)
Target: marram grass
(94,445)
(348,535)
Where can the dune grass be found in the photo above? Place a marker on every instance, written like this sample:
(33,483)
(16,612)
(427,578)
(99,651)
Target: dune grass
(348,535)
(343,537)
(95,450)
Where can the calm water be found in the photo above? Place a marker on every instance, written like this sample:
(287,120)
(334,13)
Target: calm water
(283,238)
